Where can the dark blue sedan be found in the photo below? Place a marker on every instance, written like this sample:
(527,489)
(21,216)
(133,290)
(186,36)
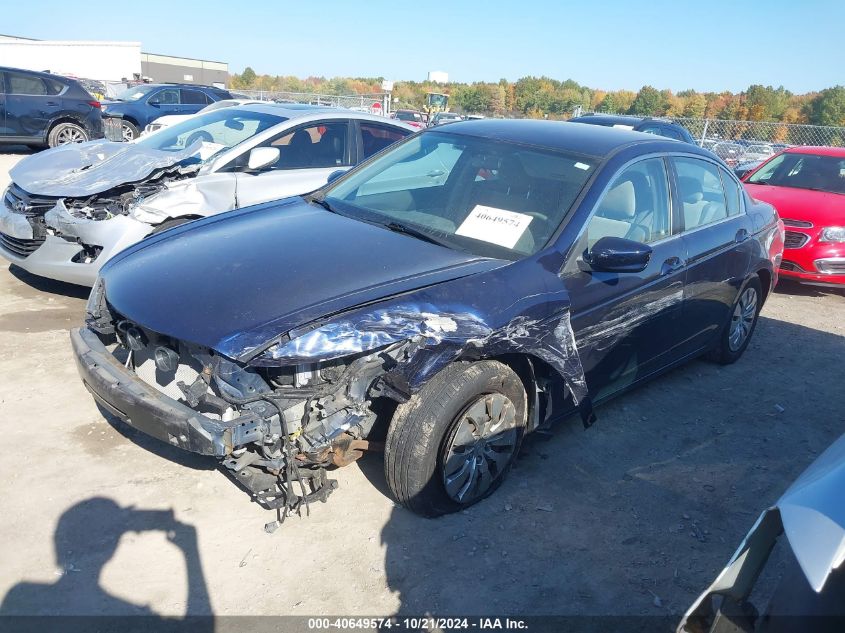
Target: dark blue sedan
(471,284)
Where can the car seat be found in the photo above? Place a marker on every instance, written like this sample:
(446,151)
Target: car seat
(331,148)
(297,154)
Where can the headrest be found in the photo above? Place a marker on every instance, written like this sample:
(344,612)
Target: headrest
(300,138)
(691,191)
(620,203)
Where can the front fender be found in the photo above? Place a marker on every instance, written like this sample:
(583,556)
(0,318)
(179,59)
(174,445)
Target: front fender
(200,196)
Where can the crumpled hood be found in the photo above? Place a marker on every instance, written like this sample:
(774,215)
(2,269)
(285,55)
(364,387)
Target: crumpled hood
(85,169)
(236,281)
(819,207)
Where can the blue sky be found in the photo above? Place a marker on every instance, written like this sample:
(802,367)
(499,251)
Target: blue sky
(610,44)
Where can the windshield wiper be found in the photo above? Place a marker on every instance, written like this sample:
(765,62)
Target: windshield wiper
(322,202)
(398,227)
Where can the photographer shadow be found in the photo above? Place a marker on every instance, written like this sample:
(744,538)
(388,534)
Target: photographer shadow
(86,538)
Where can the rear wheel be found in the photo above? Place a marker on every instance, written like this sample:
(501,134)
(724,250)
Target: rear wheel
(454,442)
(737,334)
(66,133)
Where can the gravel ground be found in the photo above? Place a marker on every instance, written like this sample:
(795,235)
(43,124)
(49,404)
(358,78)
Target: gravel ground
(633,517)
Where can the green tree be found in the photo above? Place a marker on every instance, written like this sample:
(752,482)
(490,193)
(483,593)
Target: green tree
(648,102)
(828,108)
(248,76)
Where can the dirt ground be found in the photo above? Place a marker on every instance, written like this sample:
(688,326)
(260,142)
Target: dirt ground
(632,517)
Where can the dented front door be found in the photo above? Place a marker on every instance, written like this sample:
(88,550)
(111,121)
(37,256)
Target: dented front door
(628,325)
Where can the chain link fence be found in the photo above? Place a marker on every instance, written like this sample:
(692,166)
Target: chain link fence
(711,131)
(750,142)
(374,103)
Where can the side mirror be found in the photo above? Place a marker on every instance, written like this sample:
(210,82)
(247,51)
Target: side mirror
(261,157)
(335,175)
(618,255)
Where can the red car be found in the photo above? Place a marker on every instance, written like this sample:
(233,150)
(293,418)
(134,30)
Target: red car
(411,117)
(807,187)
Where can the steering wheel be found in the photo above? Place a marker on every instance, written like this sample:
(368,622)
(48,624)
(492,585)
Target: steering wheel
(201,135)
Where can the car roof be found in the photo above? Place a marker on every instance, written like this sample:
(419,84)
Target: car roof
(591,140)
(39,73)
(302,110)
(838,152)
(622,119)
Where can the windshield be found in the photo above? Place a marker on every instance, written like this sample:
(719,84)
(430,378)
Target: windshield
(408,116)
(223,129)
(803,171)
(490,198)
(134,93)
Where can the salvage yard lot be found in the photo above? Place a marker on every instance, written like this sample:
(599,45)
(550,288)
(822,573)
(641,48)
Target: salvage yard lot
(634,516)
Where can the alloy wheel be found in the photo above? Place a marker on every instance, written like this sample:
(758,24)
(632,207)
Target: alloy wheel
(127,133)
(480,448)
(70,135)
(742,320)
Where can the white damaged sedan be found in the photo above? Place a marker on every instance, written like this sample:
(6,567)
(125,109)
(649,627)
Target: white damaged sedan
(70,209)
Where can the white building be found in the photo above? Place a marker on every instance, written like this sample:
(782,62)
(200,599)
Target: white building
(103,60)
(438,76)
(108,61)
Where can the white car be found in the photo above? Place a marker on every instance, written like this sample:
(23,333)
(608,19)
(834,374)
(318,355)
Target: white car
(70,209)
(171,119)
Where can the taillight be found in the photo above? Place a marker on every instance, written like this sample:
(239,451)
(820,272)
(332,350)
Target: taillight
(95,104)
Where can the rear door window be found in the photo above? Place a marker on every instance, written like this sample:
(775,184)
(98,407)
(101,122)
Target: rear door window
(194,97)
(20,84)
(700,190)
(732,193)
(376,137)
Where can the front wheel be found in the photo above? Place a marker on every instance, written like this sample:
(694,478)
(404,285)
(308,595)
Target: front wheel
(452,444)
(128,131)
(737,334)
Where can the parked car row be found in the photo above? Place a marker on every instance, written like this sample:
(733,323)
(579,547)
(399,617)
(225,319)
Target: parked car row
(114,194)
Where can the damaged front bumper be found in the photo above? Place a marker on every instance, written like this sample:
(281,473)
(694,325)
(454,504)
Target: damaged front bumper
(71,249)
(143,407)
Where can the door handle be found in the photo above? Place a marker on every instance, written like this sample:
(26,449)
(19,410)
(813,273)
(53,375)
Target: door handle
(671,265)
(741,236)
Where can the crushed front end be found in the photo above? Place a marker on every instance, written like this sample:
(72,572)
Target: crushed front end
(275,430)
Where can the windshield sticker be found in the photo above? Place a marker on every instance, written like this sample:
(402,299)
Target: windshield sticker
(624,127)
(496,226)
(582,166)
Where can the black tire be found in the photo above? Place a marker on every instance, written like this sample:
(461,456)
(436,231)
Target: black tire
(66,133)
(169,224)
(422,430)
(725,352)
(127,129)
